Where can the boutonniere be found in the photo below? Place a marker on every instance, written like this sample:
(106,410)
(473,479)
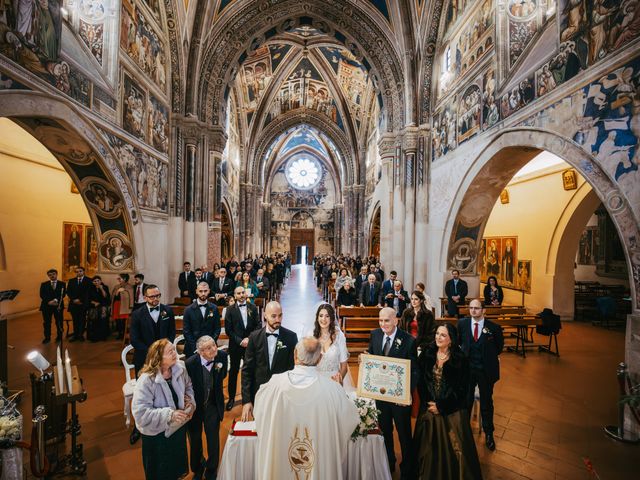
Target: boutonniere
(163,314)
(280,345)
(210,314)
(486,331)
(218,366)
(398,342)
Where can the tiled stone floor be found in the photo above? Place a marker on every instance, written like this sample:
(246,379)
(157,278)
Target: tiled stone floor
(549,411)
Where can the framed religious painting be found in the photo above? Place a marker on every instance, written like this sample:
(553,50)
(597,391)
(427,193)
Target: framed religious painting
(90,251)
(72,248)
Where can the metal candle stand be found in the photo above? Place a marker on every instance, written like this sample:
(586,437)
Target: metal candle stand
(57,425)
(618,432)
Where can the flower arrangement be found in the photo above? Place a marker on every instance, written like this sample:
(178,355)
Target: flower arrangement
(10,423)
(368,417)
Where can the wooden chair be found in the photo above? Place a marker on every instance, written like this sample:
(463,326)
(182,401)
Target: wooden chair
(179,342)
(129,384)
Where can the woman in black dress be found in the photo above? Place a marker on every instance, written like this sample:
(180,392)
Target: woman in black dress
(443,438)
(493,295)
(98,314)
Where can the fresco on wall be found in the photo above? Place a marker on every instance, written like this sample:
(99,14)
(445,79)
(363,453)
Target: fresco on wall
(565,65)
(72,244)
(158,125)
(498,257)
(304,88)
(523,279)
(468,43)
(115,251)
(302,137)
(294,208)
(469,113)
(101,196)
(90,251)
(603,26)
(588,247)
(524,19)
(134,108)
(444,131)
(518,97)
(147,174)
(142,44)
(93,37)
(490,110)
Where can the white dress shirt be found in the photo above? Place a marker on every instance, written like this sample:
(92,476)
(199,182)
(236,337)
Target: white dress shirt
(392,337)
(204,364)
(243,311)
(155,314)
(271,344)
(480,327)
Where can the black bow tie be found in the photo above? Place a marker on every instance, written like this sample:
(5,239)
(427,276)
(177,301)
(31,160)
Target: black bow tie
(209,362)
(202,306)
(240,305)
(274,334)
(154,309)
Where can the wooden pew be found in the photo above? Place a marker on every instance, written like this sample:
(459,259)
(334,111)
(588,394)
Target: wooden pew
(359,312)
(357,330)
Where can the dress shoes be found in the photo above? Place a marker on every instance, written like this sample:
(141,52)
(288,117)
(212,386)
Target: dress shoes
(46,340)
(229,406)
(490,442)
(134,437)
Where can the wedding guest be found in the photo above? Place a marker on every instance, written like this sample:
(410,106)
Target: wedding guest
(163,402)
(347,296)
(207,370)
(52,303)
(138,290)
(78,293)
(443,438)
(122,297)
(427,299)
(418,321)
(390,341)
(456,291)
(200,318)
(98,314)
(342,279)
(249,286)
(333,363)
(493,294)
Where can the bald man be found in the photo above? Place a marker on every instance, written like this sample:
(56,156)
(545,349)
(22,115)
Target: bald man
(269,350)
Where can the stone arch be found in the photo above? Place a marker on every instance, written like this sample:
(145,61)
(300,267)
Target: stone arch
(494,167)
(237,27)
(374,231)
(227,230)
(352,171)
(88,159)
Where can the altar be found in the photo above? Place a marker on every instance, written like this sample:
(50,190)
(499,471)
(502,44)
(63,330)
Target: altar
(366,458)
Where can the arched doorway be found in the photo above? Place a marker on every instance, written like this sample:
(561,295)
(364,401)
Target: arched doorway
(226,240)
(374,234)
(302,240)
(91,165)
(501,159)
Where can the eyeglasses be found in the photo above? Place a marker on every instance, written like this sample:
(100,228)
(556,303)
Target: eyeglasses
(154,296)
(475,308)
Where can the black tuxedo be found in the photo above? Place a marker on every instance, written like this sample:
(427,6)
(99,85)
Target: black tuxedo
(403,346)
(144,331)
(193,285)
(185,282)
(195,325)
(402,304)
(207,277)
(236,331)
(209,412)
(365,295)
(47,294)
(256,370)
(79,291)
(450,290)
(484,363)
(360,282)
(227,288)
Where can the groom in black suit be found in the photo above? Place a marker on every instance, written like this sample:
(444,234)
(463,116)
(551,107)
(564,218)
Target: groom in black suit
(482,341)
(240,320)
(207,370)
(390,341)
(200,318)
(270,350)
(52,303)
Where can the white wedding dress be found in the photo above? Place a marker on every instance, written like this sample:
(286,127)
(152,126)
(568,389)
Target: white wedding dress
(331,359)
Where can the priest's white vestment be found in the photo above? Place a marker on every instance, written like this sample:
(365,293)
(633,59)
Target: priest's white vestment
(304,423)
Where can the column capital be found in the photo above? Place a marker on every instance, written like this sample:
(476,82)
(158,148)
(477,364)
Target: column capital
(194,130)
(387,145)
(410,137)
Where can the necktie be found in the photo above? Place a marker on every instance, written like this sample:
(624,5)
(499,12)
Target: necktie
(371,294)
(475,332)
(154,309)
(53,285)
(209,362)
(387,346)
(270,334)
(138,292)
(455,287)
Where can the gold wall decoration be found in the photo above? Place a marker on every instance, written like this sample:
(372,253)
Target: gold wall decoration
(504,196)
(569,179)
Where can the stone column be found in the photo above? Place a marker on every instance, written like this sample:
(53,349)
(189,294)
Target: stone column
(421,206)
(216,141)
(387,152)
(409,151)
(266,227)
(337,228)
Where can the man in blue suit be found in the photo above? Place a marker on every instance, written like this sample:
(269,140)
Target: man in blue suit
(482,341)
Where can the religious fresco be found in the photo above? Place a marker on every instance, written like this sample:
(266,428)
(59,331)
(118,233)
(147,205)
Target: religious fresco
(93,37)
(147,175)
(304,88)
(524,19)
(565,65)
(134,108)
(468,42)
(295,208)
(518,97)
(158,125)
(104,200)
(142,44)
(303,136)
(116,252)
(490,109)
(72,248)
(469,113)
(256,74)
(444,131)
(602,26)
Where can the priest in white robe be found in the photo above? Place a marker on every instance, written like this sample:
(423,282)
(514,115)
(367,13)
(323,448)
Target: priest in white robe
(304,422)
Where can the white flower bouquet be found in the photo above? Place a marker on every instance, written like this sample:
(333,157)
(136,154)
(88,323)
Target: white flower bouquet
(10,423)
(368,417)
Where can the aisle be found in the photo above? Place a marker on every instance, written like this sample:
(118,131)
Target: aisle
(300,299)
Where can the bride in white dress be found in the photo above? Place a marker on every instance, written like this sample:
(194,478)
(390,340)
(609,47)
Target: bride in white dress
(333,363)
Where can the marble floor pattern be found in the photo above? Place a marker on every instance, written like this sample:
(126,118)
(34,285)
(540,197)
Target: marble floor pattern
(549,411)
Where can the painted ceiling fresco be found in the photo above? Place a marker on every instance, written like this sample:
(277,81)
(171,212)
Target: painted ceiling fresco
(303,137)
